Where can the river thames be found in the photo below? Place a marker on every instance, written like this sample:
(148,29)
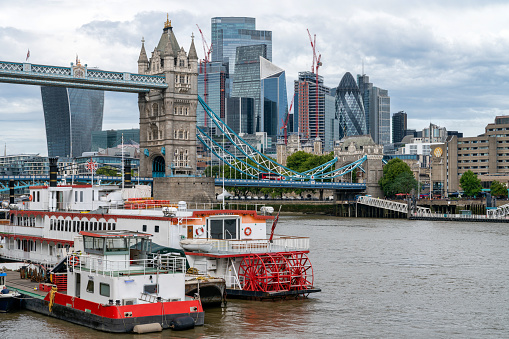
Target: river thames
(380,278)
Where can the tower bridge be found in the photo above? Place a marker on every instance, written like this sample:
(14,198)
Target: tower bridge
(167,88)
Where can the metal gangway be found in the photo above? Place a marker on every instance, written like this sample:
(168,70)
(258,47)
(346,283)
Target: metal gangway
(499,212)
(391,205)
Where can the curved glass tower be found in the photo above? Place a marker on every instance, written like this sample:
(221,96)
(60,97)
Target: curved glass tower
(349,108)
(71,115)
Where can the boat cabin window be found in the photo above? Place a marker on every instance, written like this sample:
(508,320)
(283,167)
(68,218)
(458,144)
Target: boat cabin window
(104,289)
(156,229)
(150,288)
(90,286)
(223,228)
(116,245)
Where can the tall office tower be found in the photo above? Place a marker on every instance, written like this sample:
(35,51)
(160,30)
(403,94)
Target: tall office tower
(399,125)
(246,80)
(214,79)
(309,108)
(228,33)
(380,116)
(273,99)
(377,110)
(331,132)
(70,116)
(350,108)
(112,138)
(239,115)
(365,88)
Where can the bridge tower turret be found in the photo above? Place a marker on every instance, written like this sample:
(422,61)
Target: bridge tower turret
(168,120)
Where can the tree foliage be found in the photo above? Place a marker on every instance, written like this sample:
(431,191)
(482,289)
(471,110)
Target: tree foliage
(397,178)
(108,171)
(470,184)
(498,189)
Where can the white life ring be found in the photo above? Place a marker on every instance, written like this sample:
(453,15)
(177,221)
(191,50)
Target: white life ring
(200,230)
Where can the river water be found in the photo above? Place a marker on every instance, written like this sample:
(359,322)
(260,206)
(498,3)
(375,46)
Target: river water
(380,278)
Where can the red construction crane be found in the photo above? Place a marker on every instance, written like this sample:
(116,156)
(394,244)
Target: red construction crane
(285,123)
(314,69)
(206,52)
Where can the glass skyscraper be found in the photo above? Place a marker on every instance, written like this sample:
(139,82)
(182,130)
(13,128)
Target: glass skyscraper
(273,98)
(350,108)
(71,115)
(246,80)
(228,33)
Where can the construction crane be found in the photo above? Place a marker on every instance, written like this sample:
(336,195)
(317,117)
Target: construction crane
(206,59)
(285,123)
(314,69)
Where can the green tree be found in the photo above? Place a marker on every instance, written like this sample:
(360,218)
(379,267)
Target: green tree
(391,184)
(498,189)
(108,171)
(403,183)
(470,184)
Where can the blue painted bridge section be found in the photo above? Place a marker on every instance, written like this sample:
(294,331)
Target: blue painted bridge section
(78,76)
(308,185)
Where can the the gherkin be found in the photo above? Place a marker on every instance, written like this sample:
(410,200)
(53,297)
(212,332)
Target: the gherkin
(349,108)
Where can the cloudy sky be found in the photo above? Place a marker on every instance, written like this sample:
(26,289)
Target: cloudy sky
(444,62)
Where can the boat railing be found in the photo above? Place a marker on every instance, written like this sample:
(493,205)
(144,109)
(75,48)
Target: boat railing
(163,263)
(278,244)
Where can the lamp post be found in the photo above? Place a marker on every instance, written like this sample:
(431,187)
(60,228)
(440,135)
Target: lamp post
(418,180)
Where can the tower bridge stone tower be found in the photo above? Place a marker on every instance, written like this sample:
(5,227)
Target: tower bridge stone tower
(168,122)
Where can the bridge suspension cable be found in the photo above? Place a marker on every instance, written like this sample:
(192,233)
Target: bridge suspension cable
(256,162)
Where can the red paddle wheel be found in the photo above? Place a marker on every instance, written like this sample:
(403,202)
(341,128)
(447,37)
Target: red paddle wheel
(301,271)
(276,272)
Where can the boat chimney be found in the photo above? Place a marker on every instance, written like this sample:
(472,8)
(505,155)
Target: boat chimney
(53,172)
(11,191)
(127,173)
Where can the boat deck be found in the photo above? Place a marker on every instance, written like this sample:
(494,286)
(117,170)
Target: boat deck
(25,286)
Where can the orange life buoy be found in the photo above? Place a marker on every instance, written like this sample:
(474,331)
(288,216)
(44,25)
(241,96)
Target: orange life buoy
(247,231)
(199,230)
(30,197)
(74,260)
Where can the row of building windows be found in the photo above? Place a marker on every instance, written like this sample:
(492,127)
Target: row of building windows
(472,142)
(77,225)
(472,167)
(469,161)
(498,129)
(180,110)
(473,155)
(181,134)
(181,78)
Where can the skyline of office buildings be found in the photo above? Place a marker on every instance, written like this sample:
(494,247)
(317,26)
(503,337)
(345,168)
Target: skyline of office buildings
(70,117)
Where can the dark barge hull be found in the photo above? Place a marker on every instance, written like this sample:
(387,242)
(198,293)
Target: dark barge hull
(260,295)
(113,325)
